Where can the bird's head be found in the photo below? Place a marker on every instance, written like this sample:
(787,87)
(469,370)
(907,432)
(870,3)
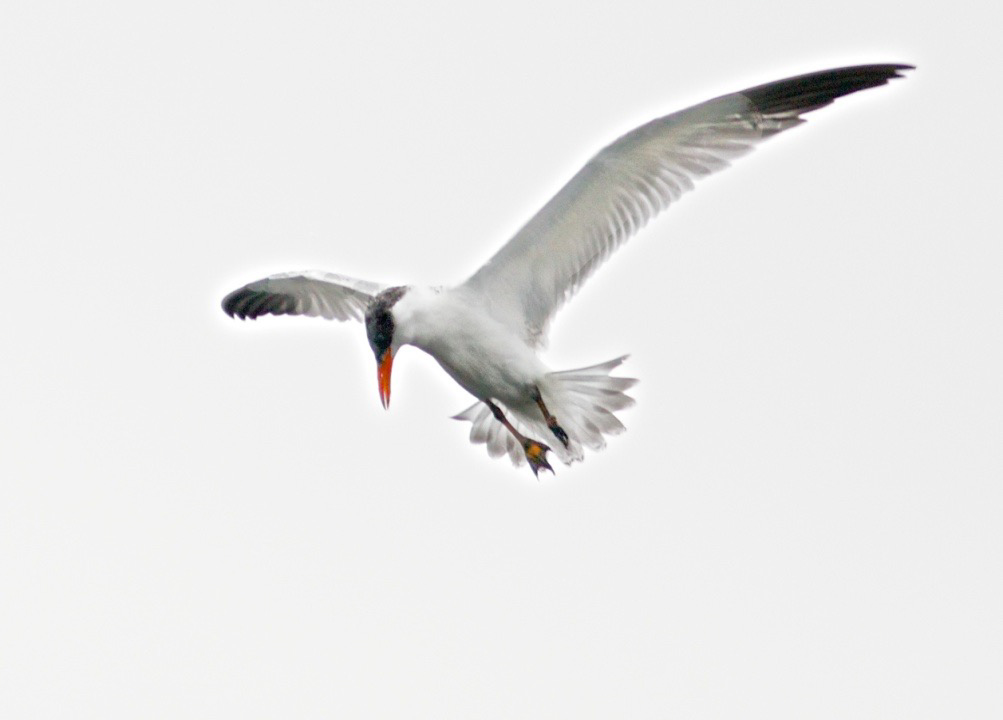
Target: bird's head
(380,331)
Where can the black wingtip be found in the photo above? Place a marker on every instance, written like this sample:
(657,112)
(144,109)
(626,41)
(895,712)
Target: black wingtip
(246,304)
(227,304)
(249,304)
(234,302)
(805,93)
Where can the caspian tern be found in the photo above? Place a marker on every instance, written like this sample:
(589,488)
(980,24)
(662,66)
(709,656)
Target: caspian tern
(486,331)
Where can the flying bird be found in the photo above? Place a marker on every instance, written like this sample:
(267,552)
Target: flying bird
(486,331)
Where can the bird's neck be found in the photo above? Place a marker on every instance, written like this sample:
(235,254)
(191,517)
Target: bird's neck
(416,314)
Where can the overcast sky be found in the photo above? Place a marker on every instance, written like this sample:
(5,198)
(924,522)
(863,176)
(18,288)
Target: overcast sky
(206,518)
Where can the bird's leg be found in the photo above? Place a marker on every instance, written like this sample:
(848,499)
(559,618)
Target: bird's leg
(536,452)
(551,420)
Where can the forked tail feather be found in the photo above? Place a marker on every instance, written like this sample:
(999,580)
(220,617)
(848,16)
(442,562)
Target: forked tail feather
(583,400)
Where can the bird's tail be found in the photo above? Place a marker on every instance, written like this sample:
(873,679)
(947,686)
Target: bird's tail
(583,401)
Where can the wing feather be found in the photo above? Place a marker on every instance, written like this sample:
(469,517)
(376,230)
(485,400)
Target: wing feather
(313,292)
(634,179)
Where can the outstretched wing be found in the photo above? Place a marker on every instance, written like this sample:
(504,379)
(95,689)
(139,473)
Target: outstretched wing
(312,292)
(637,177)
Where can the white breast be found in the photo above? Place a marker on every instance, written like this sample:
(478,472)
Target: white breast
(485,357)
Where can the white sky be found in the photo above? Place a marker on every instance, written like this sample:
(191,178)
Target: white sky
(207,518)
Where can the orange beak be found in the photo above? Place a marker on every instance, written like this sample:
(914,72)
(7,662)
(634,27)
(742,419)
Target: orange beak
(384,366)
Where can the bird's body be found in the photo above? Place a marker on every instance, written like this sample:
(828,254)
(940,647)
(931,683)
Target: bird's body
(487,331)
(495,363)
(480,353)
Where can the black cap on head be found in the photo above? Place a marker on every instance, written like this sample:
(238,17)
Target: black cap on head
(380,320)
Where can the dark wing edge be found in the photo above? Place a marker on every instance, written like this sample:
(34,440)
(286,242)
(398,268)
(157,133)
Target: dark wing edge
(312,293)
(638,176)
(805,93)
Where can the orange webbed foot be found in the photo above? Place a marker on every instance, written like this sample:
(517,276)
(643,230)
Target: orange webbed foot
(536,454)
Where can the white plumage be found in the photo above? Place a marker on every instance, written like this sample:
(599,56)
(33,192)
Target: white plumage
(485,332)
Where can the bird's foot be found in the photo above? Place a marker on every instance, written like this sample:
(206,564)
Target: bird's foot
(558,431)
(536,454)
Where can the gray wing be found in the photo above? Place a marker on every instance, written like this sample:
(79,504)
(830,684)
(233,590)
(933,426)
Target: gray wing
(635,178)
(312,292)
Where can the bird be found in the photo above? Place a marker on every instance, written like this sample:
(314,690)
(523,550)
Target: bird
(487,331)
